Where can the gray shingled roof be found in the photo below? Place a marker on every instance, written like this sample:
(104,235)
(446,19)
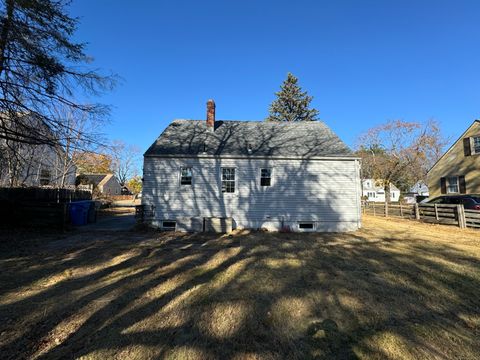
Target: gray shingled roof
(248,138)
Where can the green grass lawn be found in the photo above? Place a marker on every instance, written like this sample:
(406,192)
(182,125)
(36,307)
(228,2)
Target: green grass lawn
(393,290)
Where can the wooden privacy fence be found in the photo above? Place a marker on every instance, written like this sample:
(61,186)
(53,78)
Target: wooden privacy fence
(34,214)
(36,194)
(37,207)
(448,214)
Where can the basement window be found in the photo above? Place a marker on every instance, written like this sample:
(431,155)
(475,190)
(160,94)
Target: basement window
(228,180)
(265,177)
(305,226)
(169,225)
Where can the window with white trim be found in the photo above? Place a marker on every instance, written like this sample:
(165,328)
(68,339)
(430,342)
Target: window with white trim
(186,176)
(452,185)
(266,177)
(228,180)
(476,144)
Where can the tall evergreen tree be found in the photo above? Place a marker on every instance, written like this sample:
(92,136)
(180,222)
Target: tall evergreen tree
(42,68)
(292,104)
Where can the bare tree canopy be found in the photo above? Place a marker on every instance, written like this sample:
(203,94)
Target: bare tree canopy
(42,69)
(400,152)
(125,159)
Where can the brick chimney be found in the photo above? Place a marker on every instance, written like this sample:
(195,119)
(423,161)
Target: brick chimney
(211,114)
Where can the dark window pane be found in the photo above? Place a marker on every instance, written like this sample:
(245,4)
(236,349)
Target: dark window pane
(266,172)
(305,225)
(265,177)
(186,176)
(169,225)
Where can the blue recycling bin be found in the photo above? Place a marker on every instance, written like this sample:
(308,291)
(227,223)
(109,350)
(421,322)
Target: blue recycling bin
(83,212)
(78,213)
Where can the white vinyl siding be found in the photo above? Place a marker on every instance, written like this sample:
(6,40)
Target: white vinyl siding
(326,192)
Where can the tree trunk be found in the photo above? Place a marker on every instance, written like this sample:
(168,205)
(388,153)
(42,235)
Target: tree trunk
(5,33)
(386,188)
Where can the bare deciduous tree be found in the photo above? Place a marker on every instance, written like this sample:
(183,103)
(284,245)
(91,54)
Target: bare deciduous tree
(76,142)
(400,152)
(125,160)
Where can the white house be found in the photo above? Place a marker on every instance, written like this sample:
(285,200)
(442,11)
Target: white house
(296,176)
(23,164)
(373,190)
(419,190)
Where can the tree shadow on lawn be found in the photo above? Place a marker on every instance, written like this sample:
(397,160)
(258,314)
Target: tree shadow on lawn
(253,295)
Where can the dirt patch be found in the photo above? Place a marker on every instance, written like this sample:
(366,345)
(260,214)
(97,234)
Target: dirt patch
(395,289)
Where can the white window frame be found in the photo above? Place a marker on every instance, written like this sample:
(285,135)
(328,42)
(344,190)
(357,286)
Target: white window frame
(457,183)
(235,177)
(271,177)
(180,176)
(473,147)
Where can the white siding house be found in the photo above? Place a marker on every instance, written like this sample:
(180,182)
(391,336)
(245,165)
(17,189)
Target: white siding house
(43,163)
(373,190)
(35,165)
(295,176)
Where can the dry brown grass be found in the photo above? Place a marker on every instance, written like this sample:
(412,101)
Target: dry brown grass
(393,290)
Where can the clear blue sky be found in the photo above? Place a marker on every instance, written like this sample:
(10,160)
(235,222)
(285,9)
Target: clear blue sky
(363,61)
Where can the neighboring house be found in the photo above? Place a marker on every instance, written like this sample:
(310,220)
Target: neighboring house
(106,184)
(417,193)
(297,176)
(458,170)
(374,191)
(23,164)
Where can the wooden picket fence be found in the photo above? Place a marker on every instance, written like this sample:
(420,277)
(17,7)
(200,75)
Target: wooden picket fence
(447,214)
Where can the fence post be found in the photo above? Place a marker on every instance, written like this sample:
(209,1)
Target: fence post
(417,212)
(64,216)
(462,223)
(436,212)
(401,210)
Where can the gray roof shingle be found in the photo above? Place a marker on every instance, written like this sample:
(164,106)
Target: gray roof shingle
(248,138)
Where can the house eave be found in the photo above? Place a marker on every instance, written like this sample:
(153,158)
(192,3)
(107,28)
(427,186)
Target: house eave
(452,146)
(252,157)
